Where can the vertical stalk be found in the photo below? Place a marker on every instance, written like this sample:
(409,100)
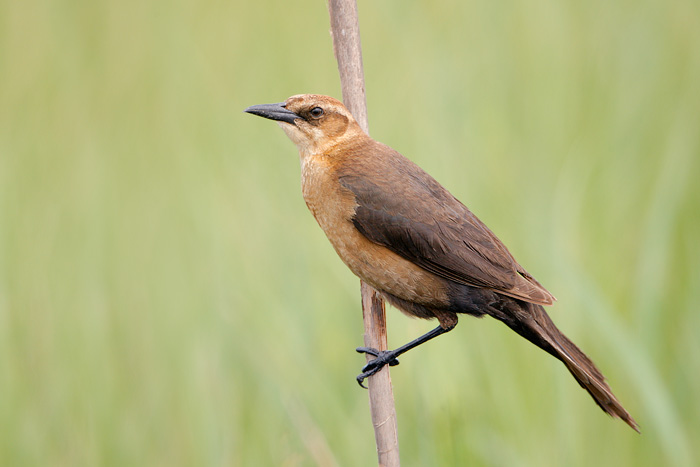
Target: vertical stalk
(345,31)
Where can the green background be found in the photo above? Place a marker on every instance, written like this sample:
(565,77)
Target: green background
(166,298)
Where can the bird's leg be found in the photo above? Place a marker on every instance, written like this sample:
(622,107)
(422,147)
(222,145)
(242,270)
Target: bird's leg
(385,357)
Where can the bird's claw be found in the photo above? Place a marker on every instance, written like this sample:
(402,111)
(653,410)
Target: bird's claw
(384,357)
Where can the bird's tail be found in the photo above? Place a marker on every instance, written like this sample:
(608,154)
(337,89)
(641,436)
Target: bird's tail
(533,323)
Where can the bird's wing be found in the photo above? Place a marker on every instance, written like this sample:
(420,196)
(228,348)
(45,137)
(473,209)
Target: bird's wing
(412,215)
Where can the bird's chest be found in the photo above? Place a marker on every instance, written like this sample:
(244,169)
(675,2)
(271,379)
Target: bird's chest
(333,207)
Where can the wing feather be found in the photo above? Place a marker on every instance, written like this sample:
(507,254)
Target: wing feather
(418,219)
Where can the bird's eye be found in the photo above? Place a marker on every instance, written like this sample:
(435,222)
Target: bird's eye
(316,112)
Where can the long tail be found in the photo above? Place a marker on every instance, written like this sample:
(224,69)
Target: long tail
(533,323)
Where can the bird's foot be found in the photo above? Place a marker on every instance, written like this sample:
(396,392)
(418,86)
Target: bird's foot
(384,357)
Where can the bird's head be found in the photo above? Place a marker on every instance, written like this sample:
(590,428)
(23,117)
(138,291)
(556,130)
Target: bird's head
(315,123)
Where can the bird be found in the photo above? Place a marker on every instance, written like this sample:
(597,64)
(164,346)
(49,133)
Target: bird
(404,234)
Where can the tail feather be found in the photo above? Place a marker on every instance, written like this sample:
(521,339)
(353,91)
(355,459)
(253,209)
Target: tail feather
(533,323)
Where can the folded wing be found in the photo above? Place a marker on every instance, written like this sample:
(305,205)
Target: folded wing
(412,215)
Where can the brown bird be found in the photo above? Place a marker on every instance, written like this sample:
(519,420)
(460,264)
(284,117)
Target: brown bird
(400,231)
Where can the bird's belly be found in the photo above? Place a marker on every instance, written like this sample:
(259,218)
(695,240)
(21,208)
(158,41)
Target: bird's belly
(381,268)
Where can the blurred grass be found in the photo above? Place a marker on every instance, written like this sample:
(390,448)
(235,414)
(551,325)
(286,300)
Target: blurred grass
(165,298)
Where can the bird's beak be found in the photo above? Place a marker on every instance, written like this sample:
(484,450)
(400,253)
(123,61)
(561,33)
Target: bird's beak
(273,112)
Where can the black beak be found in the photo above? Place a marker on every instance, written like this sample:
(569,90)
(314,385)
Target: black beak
(273,112)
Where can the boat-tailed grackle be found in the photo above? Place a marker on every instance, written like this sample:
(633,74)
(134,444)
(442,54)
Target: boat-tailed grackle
(401,232)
